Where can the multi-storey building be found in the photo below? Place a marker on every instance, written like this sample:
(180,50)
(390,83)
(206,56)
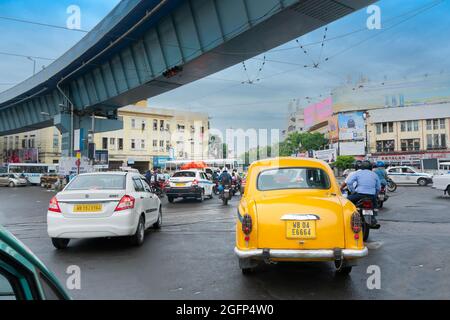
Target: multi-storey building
(409,134)
(149,137)
(42,146)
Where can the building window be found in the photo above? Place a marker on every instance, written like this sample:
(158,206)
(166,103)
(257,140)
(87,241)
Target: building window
(16,142)
(142,144)
(378,128)
(167,127)
(181,128)
(143,125)
(435,124)
(155,145)
(161,125)
(429,125)
(133,123)
(410,144)
(388,127)
(442,123)
(386,146)
(436,141)
(416,125)
(105,143)
(120,147)
(192,129)
(112,141)
(167,145)
(133,144)
(403,126)
(155,125)
(31,142)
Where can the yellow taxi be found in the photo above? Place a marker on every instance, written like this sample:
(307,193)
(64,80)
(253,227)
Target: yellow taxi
(293,210)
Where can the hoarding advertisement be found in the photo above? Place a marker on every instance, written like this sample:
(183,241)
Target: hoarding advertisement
(351,126)
(333,128)
(318,112)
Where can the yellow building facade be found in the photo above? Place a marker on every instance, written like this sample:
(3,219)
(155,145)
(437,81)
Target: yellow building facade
(148,135)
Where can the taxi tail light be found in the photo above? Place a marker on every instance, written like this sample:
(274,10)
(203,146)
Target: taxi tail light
(195,182)
(127,202)
(247,225)
(367,204)
(54,205)
(356,222)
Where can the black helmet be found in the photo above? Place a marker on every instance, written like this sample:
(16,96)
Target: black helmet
(357,164)
(366,165)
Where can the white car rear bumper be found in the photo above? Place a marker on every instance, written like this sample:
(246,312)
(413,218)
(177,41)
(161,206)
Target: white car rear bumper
(121,223)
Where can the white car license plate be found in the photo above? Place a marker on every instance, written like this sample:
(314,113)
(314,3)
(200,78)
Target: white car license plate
(367,212)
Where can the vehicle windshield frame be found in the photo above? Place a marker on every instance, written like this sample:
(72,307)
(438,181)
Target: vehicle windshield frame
(328,187)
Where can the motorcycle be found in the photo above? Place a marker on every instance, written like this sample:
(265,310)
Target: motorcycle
(158,188)
(216,187)
(225,194)
(391,185)
(382,197)
(366,210)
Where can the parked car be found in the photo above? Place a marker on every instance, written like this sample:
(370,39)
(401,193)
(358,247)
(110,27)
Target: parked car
(103,204)
(12,180)
(442,183)
(47,180)
(409,175)
(293,210)
(23,276)
(189,184)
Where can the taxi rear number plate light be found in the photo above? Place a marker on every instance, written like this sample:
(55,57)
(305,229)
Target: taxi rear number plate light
(301,229)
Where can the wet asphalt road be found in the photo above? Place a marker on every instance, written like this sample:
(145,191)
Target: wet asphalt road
(192,256)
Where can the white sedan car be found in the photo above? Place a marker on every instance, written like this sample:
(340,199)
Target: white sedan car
(442,183)
(189,184)
(102,205)
(409,175)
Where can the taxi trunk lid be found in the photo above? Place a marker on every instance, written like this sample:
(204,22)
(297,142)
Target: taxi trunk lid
(300,220)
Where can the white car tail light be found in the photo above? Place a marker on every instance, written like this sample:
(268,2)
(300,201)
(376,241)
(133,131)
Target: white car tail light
(127,202)
(54,205)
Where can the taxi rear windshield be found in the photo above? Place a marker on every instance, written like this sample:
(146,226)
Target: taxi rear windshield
(98,182)
(293,178)
(184,174)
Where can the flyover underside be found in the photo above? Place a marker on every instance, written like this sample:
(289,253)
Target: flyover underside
(200,37)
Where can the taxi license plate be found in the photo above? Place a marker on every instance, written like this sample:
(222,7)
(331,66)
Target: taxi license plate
(301,229)
(180,184)
(94,207)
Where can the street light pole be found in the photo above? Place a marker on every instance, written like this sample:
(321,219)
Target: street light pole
(34,64)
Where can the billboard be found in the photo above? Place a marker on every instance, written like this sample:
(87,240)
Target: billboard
(29,155)
(318,112)
(328,155)
(351,126)
(101,159)
(355,148)
(333,128)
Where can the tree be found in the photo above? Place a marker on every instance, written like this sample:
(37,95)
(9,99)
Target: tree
(344,162)
(302,142)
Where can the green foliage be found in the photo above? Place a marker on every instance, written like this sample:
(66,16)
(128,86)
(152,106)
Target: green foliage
(302,142)
(344,162)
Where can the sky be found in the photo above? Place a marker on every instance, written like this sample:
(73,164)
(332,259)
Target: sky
(406,46)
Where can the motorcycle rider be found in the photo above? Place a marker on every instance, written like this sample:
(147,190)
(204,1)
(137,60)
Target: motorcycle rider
(364,184)
(380,170)
(225,178)
(357,167)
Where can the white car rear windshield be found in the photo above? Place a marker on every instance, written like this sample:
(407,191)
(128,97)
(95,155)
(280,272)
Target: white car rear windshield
(293,178)
(184,174)
(97,182)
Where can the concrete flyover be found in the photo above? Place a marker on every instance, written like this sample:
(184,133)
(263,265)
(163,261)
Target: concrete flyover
(146,47)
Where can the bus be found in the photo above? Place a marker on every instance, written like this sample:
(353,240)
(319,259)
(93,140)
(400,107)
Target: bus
(32,171)
(175,165)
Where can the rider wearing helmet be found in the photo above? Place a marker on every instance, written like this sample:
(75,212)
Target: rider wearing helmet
(225,177)
(381,172)
(364,184)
